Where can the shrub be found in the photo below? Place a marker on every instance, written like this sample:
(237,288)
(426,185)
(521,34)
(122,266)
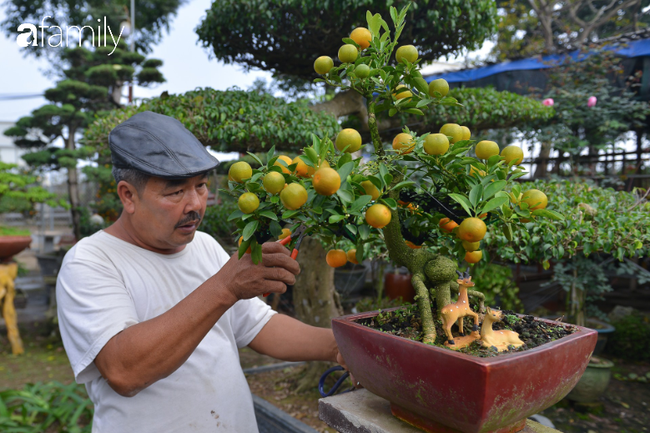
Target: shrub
(497,284)
(631,340)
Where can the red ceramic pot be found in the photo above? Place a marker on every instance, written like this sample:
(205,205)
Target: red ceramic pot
(439,390)
(399,285)
(12,245)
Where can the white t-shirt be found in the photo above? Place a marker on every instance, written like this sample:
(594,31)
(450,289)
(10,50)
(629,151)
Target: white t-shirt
(106,285)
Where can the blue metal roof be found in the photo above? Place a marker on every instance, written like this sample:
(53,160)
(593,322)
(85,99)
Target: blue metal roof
(630,49)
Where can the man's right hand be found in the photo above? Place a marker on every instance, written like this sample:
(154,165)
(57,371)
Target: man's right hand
(245,280)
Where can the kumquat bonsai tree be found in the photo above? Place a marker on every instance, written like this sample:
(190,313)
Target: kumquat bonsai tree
(429,197)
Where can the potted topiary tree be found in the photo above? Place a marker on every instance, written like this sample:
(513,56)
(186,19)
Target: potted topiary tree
(18,193)
(427,190)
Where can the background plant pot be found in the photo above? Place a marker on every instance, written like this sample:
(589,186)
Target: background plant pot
(12,245)
(399,285)
(603,329)
(455,392)
(349,281)
(593,382)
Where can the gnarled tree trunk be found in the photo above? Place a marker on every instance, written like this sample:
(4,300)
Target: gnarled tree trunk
(315,300)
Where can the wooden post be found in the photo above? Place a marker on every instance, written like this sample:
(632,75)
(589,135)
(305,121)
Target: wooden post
(8,274)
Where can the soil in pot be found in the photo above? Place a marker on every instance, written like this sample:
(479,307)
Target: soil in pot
(405,322)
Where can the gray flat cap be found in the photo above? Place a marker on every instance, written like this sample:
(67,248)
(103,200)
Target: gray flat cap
(160,146)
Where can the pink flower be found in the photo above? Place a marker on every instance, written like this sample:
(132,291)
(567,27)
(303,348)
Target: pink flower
(548,102)
(591,102)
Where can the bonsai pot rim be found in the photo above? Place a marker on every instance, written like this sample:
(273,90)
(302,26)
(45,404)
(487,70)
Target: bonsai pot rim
(351,320)
(15,245)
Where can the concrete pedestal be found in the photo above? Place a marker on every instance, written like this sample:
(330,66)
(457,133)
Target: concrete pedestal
(361,411)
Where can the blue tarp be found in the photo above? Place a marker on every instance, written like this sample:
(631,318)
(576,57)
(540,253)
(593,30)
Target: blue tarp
(631,49)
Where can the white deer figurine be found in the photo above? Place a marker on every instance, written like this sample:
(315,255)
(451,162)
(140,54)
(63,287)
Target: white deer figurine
(456,311)
(500,340)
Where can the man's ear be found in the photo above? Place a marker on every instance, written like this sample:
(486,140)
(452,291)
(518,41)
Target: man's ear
(128,196)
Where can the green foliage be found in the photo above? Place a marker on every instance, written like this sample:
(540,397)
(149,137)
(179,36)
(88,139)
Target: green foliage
(520,32)
(582,274)
(18,193)
(232,120)
(13,231)
(151,17)
(576,126)
(286,37)
(486,108)
(216,224)
(631,340)
(596,220)
(497,284)
(42,407)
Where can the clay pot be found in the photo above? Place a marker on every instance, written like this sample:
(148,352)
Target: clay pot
(593,382)
(399,285)
(438,389)
(12,245)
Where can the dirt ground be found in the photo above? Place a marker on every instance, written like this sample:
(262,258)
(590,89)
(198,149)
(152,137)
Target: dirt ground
(624,407)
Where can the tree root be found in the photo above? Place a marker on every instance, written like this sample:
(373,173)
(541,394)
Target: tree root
(424,305)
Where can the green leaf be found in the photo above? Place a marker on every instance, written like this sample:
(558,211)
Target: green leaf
(493,188)
(546,213)
(475,194)
(345,171)
(336,218)
(268,214)
(493,204)
(391,203)
(415,111)
(256,253)
(462,200)
(236,215)
(259,161)
(403,184)
(270,153)
(345,196)
(364,231)
(352,228)
(289,214)
(250,228)
(360,203)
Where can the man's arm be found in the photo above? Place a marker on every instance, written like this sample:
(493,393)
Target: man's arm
(152,350)
(291,340)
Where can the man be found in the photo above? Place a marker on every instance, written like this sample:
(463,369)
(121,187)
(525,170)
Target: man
(152,312)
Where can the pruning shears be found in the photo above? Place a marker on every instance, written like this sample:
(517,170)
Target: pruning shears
(299,233)
(337,385)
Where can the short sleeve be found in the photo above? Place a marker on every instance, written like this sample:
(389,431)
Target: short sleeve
(247,318)
(93,306)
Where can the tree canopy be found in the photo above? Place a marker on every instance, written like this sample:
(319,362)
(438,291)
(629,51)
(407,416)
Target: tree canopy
(237,120)
(529,27)
(286,37)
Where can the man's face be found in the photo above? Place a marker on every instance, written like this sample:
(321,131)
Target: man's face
(168,212)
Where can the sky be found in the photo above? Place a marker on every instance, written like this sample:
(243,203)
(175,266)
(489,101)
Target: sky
(186,66)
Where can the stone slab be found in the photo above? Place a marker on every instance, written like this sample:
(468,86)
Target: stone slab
(361,411)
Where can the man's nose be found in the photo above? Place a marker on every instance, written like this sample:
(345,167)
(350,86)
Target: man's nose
(193,201)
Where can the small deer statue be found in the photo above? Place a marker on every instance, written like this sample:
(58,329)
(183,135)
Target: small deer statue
(500,340)
(452,313)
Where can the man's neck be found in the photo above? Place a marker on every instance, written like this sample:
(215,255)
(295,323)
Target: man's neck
(123,230)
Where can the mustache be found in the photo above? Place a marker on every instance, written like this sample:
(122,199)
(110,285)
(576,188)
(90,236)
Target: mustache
(192,216)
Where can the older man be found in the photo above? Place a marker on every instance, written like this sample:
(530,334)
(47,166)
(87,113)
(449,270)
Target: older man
(152,311)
